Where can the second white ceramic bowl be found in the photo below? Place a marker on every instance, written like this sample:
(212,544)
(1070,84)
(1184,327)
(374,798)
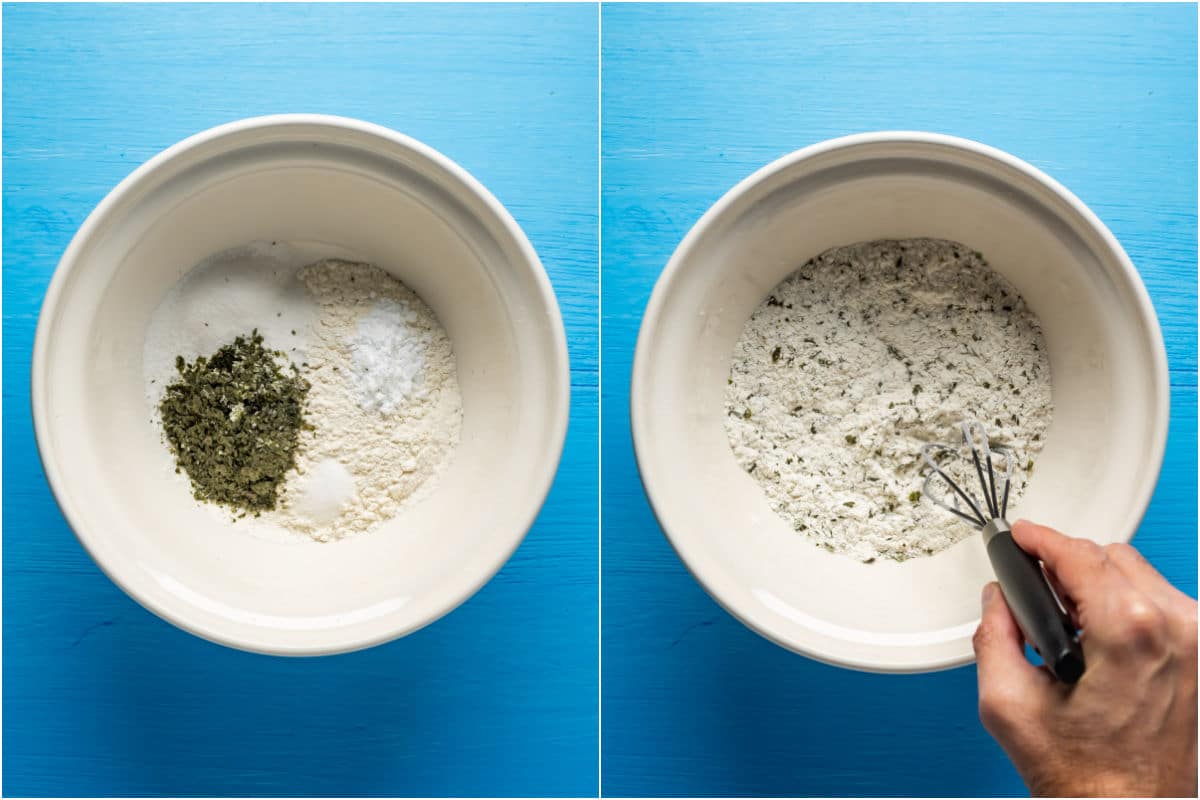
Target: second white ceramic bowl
(372,194)
(1102,454)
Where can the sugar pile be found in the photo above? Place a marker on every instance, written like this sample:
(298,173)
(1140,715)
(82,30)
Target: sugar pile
(224,297)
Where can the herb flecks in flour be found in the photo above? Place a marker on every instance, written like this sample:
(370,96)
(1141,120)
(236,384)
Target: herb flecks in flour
(233,421)
(882,347)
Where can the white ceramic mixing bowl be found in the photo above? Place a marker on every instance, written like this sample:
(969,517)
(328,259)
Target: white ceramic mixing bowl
(1102,454)
(383,198)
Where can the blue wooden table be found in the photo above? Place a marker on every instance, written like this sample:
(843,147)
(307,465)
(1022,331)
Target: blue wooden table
(696,97)
(101,697)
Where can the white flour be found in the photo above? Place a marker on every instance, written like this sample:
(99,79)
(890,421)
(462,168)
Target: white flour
(859,358)
(384,402)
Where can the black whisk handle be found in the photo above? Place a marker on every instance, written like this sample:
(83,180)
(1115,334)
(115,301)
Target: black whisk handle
(1047,627)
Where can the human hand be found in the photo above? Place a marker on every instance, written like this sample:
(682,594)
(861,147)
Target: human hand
(1128,727)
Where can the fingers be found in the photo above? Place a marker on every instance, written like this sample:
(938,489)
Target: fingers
(1178,608)
(1007,681)
(1137,571)
(1120,618)
(1077,563)
(1079,566)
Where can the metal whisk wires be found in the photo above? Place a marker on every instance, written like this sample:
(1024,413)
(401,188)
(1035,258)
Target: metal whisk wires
(965,505)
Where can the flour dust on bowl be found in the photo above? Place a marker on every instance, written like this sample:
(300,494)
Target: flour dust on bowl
(846,305)
(369,340)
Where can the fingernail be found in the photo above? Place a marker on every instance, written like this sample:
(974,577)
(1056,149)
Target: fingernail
(988,590)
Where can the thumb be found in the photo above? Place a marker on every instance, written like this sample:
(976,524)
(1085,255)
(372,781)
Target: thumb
(1007,681)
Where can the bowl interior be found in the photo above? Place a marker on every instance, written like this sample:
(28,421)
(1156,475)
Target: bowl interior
(362,196)
(1101,449)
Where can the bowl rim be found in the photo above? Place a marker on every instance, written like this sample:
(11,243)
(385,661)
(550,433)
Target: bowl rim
(642,375)
(538,483)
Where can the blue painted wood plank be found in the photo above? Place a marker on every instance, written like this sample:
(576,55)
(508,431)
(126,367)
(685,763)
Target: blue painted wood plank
(102,698)
(694,98)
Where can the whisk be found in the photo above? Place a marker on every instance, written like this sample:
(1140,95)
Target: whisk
(1046,625)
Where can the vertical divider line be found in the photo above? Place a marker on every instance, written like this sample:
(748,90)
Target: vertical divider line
(599,398)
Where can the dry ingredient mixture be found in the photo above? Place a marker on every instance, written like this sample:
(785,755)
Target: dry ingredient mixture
(339,412)
(860,357)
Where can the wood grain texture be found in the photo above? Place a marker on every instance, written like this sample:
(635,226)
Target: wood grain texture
(101,697)
(694,98)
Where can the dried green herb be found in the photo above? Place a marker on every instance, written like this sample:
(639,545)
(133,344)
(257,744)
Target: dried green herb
(233,421)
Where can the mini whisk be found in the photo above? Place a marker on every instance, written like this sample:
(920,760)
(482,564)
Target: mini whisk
(1046,626)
